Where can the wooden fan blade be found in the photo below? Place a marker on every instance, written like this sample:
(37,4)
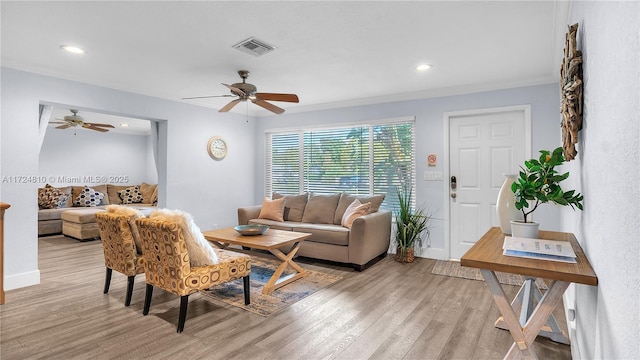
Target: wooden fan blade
(230,105)
(63,126)
(235,90)
(98,124)
(58,122)
(277,97)
(91,127)
(206,97)
(268,106)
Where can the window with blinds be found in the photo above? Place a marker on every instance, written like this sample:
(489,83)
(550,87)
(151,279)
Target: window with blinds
(364,159)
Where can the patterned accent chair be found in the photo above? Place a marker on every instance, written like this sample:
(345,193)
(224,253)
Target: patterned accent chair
(120,252)
(167,265)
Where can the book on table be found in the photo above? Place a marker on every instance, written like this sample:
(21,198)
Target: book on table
(539,249)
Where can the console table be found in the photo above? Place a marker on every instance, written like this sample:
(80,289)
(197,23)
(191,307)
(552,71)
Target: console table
(486,255)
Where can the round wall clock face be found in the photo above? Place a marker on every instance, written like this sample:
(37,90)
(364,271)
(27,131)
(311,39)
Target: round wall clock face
(217,148)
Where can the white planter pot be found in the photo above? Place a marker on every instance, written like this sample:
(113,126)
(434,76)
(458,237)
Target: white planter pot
(506,205)
(524,229)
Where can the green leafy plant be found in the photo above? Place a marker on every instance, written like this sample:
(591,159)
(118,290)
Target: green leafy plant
(539,183)
(410,223)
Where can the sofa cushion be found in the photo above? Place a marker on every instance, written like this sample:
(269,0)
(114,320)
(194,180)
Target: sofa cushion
(278,225)
(50,214)
(272,209)
(320,209)
(104,190)
(324,233)
(81,216)
(346,200)
(354,211)
(293,206)
(114,197)
(149,193)
(51,197)
(131,195)
(200,251)
(88,197)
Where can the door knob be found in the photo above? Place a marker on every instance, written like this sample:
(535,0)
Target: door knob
(453,195)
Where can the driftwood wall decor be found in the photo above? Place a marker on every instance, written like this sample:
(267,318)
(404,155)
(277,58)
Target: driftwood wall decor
(571,92)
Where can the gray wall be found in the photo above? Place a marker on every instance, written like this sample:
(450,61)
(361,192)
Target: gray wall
(188,178)
(429,115)
(607,172)
(92,155)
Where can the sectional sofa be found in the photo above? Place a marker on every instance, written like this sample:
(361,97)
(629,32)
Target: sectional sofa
(366,241)
(70,210)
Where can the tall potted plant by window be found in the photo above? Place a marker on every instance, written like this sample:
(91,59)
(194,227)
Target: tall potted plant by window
(410,224)
(539,183)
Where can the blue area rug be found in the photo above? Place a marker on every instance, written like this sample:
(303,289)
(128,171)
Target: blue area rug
(261,270)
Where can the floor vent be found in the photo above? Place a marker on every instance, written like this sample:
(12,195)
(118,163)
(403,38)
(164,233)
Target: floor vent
(254,47)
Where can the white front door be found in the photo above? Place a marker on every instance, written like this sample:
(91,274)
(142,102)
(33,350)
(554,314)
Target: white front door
(483,146)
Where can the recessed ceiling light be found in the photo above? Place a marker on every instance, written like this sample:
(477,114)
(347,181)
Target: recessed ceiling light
(423,67)
(124,124)
(72,49)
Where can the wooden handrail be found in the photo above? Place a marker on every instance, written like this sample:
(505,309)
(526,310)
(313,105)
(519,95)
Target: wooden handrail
(3,207)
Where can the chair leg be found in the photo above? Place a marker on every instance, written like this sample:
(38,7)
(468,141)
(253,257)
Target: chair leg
(147,299)
(130,280)
(184,301)
(247,290)
(107,280)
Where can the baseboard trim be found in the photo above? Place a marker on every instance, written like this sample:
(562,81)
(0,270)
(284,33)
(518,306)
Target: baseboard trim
(17,281)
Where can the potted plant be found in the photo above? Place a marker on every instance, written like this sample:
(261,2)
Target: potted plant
(410,224)
(539,183)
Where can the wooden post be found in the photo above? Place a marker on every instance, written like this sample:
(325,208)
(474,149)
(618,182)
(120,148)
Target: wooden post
(3,207)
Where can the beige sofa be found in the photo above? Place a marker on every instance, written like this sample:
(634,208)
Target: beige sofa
(56,216)
(320,215)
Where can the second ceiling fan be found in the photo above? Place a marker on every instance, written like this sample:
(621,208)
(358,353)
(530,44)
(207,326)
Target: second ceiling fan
(245,91)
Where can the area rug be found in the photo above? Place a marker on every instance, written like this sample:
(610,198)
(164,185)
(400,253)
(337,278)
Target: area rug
(261,270)
(453,268)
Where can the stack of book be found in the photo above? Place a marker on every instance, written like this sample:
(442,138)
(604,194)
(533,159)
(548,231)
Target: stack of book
(539,249)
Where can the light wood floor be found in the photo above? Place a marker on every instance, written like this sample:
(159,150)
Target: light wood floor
(389,311)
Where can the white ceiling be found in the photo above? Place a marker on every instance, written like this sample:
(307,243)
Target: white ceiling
(330,53)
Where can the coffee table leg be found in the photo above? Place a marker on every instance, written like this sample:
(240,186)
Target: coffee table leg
(524,335)
(276,281)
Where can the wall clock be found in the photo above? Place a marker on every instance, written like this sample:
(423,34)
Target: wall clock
(217,148)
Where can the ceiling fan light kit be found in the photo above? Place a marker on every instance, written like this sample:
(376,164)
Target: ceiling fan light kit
(75,121)
(245,91)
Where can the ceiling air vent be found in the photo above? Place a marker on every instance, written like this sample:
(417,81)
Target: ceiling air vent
(254,46)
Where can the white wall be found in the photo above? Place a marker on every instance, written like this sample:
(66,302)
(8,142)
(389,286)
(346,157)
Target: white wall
(607,172)
(210,190)
(545,104)
(93,156)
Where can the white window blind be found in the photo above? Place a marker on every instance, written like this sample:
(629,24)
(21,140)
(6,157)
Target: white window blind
(363,159)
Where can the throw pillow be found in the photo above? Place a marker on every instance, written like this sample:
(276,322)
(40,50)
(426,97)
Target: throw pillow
(131,214)
(112,191)
(88,197)
(131,195)
(346,200)
(320,209)
(272,209)
(50,197)
(354,211)
(200,251)
(293,206)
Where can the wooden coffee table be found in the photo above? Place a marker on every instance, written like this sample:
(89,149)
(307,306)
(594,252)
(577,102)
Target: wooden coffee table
(272,240)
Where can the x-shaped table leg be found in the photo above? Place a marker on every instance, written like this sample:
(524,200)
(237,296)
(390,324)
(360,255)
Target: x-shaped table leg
(287,260)
(524,336)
